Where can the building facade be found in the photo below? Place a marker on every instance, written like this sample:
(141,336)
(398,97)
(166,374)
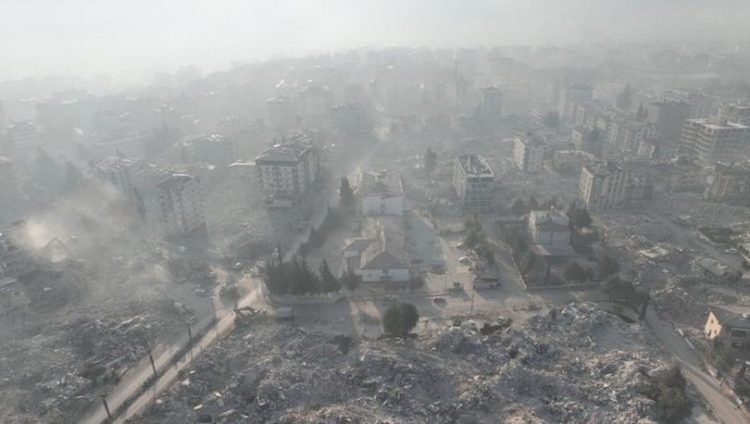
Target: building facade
(382,193)
(288,170)
(528,152)
(713,140)
(729,183)
(474,183)
(181,209)
(549,228)
(603,186)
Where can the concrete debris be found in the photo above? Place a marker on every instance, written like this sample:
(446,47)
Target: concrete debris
(578,364)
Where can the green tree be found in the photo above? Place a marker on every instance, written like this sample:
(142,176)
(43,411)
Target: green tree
(346,195)
(400,319)
(430,161)
(608,266)
(350,280)
(329,282)
(575,272)
(672,405)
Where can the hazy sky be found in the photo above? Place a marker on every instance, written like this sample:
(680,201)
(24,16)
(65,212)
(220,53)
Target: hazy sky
(131,36)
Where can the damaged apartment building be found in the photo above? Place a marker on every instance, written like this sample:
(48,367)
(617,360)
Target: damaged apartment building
(474,183)
(169,203)
(287,171)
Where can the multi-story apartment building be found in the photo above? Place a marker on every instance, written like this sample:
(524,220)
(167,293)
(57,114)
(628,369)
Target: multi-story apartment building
(625,135)
(670,117)
(603,185)
(736,114)
(181,210)
(700,105)
(572,94)
(528,152)
(288,170)
(125,174)
(713,140)
(212,148)
(730,183)
(474,183)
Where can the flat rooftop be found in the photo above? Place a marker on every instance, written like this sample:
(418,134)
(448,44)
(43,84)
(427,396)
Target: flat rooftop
(475,166)
(284,153)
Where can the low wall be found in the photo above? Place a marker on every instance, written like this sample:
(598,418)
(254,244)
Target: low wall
(291,300)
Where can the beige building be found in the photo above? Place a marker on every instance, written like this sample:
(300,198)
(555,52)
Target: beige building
(729,183)
(474,182)
(728,323)
(528,152)
(181,209)
(713,140)
(602,185)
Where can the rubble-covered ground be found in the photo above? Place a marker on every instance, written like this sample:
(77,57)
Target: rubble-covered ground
(575,365)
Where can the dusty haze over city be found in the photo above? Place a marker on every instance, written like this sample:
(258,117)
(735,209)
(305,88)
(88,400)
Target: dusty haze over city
(379,212)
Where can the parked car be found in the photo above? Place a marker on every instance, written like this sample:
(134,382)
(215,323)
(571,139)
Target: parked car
(464,260)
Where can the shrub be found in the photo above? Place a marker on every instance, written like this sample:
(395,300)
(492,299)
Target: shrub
(400,319)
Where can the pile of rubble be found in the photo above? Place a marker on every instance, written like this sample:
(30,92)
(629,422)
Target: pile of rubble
(578,364)
(56,375)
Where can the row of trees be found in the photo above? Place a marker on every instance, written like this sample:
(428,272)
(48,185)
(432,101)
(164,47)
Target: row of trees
(297,278)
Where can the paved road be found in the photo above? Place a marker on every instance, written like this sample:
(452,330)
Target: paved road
(723,407)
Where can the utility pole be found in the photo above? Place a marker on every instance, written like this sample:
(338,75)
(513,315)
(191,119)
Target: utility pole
(472,303)
(153,366)
(106,407)
(190,339)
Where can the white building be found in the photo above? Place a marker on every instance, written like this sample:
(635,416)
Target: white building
(214,149)
(549,228)
(603,186)
(713,140)
(474,183)
(380,256)
(181,210)
(626,135)
(288,170)
(127,175)
(528,152)
(382,193)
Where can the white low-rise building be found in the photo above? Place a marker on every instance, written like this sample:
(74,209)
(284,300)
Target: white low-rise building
(549,228)
(380,256)
(382,193)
